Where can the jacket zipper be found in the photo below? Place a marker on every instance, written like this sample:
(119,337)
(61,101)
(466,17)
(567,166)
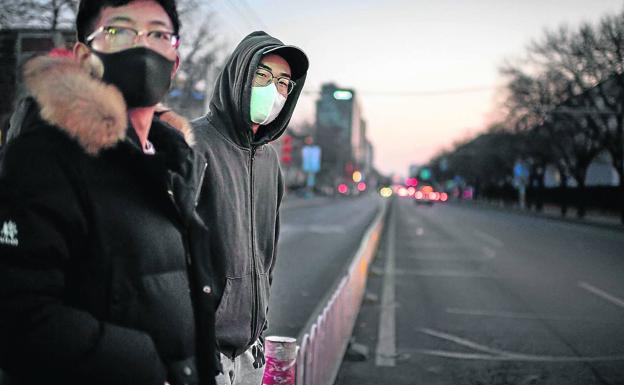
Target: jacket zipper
(184,232)
(254,273)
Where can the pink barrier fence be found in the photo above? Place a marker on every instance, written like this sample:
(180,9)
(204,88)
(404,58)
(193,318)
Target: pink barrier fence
(323,344)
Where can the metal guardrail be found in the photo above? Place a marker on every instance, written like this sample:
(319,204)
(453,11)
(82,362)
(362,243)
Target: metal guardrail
(323,342)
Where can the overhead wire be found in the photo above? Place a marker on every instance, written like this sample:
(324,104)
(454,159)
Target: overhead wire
(450,91)
(254,14)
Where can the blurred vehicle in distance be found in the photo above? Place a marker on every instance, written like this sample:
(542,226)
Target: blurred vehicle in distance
(428,196)
(352,189)
(385,192)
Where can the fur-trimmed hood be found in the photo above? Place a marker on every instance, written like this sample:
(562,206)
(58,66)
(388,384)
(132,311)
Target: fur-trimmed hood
(90,111)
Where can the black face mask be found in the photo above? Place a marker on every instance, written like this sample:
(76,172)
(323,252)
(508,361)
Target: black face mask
(142,75)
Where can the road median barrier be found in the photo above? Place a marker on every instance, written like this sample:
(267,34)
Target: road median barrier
(324,340)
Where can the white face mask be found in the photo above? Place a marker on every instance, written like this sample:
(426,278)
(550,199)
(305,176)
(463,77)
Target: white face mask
(266,103)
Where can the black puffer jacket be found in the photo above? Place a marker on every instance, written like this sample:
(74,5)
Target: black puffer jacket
(241,195)
(95,243)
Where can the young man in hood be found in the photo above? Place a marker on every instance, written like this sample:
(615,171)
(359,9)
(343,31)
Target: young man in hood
(98,230)
(253,101)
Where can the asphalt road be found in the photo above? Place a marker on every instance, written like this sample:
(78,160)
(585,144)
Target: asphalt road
(317,240)
(459,295)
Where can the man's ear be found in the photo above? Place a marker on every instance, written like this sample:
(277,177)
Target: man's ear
(81,53)
(175,66)
(87,60)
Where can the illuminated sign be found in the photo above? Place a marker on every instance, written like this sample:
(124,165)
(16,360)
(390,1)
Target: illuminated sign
(343,95)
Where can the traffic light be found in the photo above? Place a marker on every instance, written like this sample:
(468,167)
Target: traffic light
(286,153)
(425,173)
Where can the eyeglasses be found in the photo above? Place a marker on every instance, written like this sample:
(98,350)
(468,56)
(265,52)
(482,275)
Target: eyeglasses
(119,38)
(264,77)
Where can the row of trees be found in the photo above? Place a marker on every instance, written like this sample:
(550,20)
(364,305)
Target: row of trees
(200,51)
(563,105)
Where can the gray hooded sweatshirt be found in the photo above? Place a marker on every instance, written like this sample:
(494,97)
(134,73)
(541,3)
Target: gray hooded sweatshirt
(241,194)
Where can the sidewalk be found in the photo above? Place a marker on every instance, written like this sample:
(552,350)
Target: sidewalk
(592,217)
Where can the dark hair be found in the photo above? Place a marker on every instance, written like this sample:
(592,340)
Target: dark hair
(89,11)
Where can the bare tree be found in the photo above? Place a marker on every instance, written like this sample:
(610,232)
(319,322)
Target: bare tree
(193,83)
(544,106)
(591,60)
(485,162)
(199,51)
(44,14)
(200,54)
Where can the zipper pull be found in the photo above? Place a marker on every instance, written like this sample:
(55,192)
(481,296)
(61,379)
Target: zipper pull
(257,351)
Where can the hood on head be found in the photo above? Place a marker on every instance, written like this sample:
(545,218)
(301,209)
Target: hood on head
(230,103)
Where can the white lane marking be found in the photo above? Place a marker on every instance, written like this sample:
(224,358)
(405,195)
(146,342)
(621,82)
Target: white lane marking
(516,357)
(506,314)
(492,354)
(462,342)
(444,273)
(386,339)
(602,294)
(488,238)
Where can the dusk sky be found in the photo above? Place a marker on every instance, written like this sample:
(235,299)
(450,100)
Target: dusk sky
(426,72)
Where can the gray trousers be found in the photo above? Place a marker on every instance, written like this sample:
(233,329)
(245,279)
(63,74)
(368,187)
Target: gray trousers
(240,370)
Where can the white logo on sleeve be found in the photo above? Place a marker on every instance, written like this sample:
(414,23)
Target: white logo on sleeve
(8,234)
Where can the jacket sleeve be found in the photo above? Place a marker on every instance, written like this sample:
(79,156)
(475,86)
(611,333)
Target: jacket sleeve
(43,228)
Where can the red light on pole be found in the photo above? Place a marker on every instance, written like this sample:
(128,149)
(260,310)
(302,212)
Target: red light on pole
(286,152)
(343,188)
(361,186)
(60,52)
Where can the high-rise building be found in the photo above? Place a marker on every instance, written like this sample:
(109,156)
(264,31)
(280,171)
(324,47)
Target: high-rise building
(341,134)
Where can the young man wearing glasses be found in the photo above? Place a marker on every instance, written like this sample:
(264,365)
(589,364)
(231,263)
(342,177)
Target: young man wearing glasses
(99,239)
(252,103)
